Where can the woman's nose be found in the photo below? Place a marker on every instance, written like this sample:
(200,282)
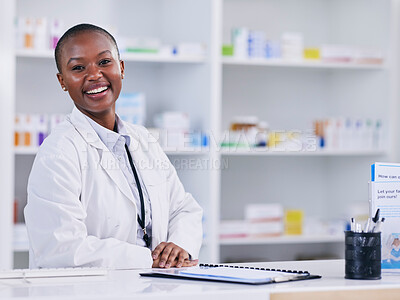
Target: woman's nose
(93,73)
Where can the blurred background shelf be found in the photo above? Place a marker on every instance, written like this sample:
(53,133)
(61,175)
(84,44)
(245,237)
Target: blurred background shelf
(129,57)
(285,239)
(229,61)
(274,152)
(187,152)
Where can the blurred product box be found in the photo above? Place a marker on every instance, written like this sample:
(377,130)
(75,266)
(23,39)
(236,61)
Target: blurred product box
(264,212)
(344,53)
(244,229)
(240,37)
(172,120)
(174,129)
(227,50)
(294,222)
(131,107)
(350,133)
(368,56)
(292,46)
(265,229)
(265,220)
(337,53)
(191,49)
(233,229)
(140,45)
(256,44)
(312,53)
(30,130)
(38,34)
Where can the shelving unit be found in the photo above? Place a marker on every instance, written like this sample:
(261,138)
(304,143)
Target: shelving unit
(289,95)
(213,89)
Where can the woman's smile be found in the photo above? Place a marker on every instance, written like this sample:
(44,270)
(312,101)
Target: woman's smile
(97,91)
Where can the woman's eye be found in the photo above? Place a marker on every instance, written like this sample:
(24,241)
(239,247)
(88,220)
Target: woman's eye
(77,68)
(104,61)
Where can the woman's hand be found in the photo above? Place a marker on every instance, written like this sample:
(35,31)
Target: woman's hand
(167,255)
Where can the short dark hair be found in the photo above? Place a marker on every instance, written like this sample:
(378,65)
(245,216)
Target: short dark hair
(73,31)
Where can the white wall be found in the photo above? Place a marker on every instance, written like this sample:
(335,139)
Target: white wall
(6,123)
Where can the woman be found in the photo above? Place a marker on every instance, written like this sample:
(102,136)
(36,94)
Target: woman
(102,192)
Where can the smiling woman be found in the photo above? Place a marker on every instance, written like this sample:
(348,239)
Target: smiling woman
(91,71)
(102,207)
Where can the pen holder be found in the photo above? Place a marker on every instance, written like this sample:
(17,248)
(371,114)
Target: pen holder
(363,255)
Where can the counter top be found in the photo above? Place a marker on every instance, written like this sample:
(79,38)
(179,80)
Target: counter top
(127,284)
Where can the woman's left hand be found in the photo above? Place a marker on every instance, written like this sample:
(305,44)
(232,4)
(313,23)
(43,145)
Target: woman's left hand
(167,255)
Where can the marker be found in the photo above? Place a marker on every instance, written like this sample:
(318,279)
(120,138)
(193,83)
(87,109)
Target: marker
(376,218)
(378,225)
(367,225)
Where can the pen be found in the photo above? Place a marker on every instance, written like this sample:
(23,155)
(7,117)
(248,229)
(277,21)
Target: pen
(352,224)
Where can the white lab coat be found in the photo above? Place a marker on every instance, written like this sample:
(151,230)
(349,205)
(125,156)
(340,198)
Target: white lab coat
(81,210)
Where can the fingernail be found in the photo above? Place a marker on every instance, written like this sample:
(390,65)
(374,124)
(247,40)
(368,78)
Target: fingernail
(179,265)
(167,265)
(162,263)
(154,256)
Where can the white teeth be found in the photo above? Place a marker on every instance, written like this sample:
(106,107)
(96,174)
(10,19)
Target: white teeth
(98,90)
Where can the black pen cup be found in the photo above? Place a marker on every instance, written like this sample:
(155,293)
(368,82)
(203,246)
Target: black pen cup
(363,255)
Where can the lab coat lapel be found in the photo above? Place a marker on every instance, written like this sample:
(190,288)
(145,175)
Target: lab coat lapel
(107,160)
(112,167)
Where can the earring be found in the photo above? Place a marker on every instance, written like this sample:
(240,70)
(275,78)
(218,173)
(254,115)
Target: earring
(122,75)
(64,88)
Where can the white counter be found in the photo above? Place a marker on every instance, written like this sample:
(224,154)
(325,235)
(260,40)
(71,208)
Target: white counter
(128,284)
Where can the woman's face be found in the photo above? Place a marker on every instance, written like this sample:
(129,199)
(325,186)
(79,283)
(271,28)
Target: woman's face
(91,73)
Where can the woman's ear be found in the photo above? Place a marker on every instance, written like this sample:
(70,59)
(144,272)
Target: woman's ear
(61,81)
(122,66)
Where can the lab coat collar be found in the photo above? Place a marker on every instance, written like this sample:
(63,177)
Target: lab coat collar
(78,119)
(107,136)
(108,162)
(106,158)
(82,125)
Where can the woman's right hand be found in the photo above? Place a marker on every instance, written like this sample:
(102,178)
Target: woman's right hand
(186,263)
